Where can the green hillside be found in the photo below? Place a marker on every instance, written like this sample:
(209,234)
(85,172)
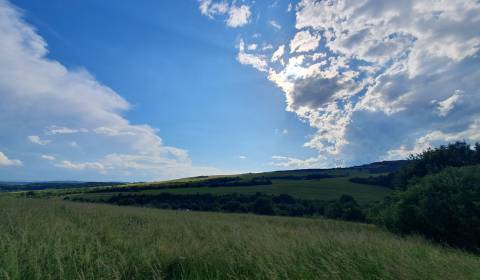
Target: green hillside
(320,184)
(54,239)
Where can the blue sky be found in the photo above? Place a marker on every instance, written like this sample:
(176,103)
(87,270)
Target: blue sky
(103,90)
(186,83)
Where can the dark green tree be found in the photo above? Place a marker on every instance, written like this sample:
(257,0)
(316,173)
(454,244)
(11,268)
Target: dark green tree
(435,160)
(444,207)
(345,208)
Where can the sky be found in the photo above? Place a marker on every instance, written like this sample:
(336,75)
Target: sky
(152,90)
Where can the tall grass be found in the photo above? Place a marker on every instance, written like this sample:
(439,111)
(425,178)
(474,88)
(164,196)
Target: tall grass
(53,239)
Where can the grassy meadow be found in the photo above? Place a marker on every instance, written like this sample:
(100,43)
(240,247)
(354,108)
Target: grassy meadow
(55,239)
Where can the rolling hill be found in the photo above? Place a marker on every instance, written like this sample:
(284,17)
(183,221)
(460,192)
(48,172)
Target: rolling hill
(317,184)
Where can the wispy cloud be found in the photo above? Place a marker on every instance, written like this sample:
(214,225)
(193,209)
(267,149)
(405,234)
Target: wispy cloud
(52,130)
(37,140)
(210,9)
(445,106)
(275,24)
(278,54)
(293,163)
(47,157)
(281,131)
(83,166)
(236,15)
(256,61)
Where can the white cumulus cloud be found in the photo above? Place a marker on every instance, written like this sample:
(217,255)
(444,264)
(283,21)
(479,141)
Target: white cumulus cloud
(5,161)
(376,77)
(304,41)
(43,93)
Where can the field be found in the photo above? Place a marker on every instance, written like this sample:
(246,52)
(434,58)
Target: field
(324,189)
(55,239)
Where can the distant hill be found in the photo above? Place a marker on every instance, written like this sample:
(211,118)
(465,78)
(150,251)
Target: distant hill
(373,168)
(382,166)
(35,186)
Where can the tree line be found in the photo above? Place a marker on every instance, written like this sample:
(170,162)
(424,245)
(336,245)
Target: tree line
(211,182)
(437,195)
(430,161)
(345,207)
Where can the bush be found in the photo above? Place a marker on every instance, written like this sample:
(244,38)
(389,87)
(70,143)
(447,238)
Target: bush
(263,206)
(345,208)
(444,207)
(232,206)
